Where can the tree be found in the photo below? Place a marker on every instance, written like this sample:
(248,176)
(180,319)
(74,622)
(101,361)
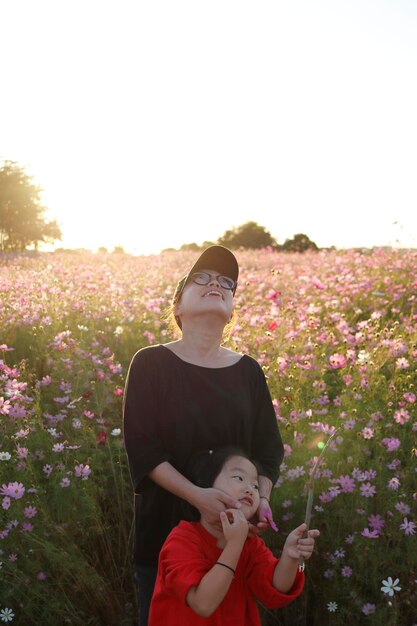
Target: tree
(22,221)
(248,235)
(299,243)
(193,247)
(118,250)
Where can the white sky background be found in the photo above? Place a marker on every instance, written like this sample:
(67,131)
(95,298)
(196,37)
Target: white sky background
(153,124)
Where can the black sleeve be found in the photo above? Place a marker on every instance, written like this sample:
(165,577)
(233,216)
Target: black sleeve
(267,445)
(140,419)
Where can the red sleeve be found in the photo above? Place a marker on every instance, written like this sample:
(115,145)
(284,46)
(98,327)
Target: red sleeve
(182,563)
(261,567)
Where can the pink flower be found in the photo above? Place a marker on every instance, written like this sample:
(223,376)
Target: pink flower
(27,527)
(272,294)
(403,508)
(317,283)
(4,406)
(82,471)
(401,416)
(368,490)
(368,608)
(347,484)
(394,483)
(367,433)
(408,527)
(402,363)
(391,443)
(337,361)
(376,522)
(5,348)
(30,511)
(5,503)
(346,571)
(22,452)
(370,534)
(41,576)
(14,490)
(410,397)
(149,336)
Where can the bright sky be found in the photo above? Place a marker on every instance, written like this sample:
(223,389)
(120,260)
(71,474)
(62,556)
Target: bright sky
(150,124)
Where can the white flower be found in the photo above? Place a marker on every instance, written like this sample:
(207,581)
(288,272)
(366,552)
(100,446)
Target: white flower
(6,615)
(390,586)
(332,607)
(5,456)
(118,330)
(363,357)
(115,432)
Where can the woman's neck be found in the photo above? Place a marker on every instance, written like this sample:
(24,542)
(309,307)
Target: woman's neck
(201,348)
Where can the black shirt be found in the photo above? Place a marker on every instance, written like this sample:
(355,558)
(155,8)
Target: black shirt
(173,409)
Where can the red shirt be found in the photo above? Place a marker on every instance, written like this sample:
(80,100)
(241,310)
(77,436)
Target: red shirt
(189,552)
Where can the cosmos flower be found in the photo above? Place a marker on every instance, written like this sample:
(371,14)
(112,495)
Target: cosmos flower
(13,490)
(389,586)
(408,527)
(368,490)
(6,615)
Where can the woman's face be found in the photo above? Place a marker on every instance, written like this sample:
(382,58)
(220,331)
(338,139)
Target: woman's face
(211,298)
(239,479)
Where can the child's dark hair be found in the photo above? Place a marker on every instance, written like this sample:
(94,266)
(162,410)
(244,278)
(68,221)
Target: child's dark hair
(204,467)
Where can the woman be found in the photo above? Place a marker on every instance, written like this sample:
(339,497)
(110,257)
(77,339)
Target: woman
(189,395)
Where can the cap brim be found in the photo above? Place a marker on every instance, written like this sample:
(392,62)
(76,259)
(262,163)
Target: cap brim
(217,258)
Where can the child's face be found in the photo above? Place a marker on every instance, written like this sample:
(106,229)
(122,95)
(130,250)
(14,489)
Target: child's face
(239,479)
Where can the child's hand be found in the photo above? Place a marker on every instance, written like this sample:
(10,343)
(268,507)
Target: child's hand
(296,546)
(234,524)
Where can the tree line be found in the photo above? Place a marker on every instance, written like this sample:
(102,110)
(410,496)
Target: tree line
(23,222)
(254,236)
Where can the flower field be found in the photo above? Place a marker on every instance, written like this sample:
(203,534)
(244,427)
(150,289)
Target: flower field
(336,334)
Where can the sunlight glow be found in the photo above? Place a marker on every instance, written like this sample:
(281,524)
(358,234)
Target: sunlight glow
(150,125)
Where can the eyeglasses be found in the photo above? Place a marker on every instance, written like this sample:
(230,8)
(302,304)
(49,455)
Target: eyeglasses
(203,278)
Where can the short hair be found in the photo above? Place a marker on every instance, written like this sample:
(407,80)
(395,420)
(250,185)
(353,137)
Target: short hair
(204,467)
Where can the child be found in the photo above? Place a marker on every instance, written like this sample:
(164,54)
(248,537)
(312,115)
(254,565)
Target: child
(210,575)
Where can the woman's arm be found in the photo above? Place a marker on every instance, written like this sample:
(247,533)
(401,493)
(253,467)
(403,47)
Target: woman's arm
(206,597)
(210,502)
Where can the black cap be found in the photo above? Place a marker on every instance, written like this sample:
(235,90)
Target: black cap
(216,258)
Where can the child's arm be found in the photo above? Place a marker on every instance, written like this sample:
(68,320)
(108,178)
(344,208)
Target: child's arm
(205,598)
(295,547)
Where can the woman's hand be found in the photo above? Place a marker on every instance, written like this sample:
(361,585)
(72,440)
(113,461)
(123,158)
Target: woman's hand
(296,546)
(211,502)
(234,525)
(265,519)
